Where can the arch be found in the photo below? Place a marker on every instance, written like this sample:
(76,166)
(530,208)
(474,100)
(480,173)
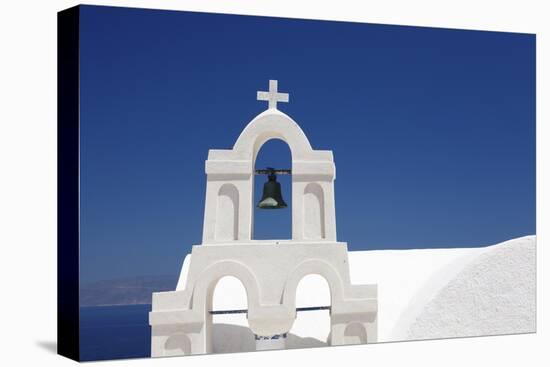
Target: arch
(272,124)
(306,298)
(307,267)
(178,343)
(314,212)
(355,333)
(227,213)
(266,141)
(314,327)
(270,224)
(203,289)
(235,288)
(230,332)
(237,166)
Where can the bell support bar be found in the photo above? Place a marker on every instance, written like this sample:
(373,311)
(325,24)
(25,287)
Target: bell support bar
(298,309)
(276,171)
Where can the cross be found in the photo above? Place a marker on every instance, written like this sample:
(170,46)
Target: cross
(273,96)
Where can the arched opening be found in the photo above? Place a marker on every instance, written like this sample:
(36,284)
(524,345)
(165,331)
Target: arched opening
(312,325)
(230,330)
(273,223)
(355,333)
(178,343)
(227,213)
(314,212)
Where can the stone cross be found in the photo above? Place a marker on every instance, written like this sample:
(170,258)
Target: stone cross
(273,96)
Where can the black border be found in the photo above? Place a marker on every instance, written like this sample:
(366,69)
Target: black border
(68,218)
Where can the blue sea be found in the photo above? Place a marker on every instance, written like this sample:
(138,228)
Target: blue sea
(112,332)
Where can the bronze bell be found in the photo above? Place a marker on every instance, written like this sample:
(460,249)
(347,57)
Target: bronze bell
(272,197)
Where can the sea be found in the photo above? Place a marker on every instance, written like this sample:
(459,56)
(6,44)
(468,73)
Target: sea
(115,332)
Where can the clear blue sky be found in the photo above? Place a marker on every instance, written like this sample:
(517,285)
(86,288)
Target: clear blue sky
(433,130)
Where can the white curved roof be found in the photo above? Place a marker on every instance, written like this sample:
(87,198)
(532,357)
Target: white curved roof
(436,293)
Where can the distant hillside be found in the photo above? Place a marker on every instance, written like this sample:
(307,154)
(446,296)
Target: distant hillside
(126,291)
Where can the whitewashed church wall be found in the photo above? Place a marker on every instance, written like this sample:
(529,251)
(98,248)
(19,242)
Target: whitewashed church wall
(314,212)
(227,215)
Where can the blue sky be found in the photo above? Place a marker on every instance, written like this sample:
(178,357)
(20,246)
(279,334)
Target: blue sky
(432,130)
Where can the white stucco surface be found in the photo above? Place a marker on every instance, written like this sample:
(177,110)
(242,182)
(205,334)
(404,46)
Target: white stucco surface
(423,294)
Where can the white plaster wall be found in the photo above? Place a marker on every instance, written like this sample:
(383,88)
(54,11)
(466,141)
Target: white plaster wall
(227,213)
(313,174)
(313,215)
(422,294)
(220,213)
(270,271)
(407,280)
(232,334)
(272,262)
(313,212)
(495,294)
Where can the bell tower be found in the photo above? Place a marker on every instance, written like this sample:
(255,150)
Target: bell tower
(230,180)
(269,270)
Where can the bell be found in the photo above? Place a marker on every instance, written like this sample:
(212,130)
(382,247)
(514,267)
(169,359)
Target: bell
(272,198)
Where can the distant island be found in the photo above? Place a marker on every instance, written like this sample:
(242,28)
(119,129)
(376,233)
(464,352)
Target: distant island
(125,291)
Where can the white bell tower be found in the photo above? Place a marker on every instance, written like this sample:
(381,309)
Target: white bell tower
(230,180)
(269,270)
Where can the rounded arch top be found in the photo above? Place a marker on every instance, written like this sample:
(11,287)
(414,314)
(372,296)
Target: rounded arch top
(272,124)
(318,267)
(204,286)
